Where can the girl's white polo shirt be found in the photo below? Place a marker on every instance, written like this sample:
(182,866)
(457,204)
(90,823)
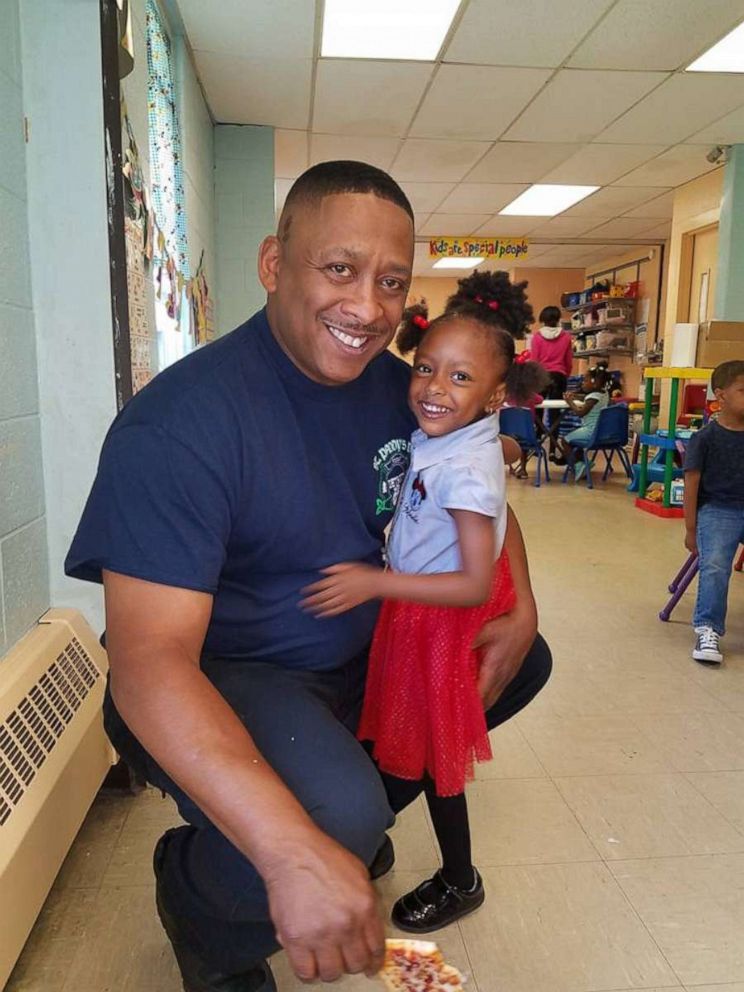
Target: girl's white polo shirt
(463,470)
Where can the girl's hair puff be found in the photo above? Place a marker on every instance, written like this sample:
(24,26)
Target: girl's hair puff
(491,298)
(413,326)
(523,380)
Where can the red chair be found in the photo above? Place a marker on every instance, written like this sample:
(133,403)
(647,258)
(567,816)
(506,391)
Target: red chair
(693,404)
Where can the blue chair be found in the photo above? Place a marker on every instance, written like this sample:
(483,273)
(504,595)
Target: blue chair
(610,436)
(519,423)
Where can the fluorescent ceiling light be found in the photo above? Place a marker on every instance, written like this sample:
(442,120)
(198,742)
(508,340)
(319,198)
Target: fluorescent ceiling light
(457,263)
(544,200)
(726,56)
(386,29)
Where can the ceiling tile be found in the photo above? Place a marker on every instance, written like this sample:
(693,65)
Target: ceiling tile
(729,130)
(541,32)
(509,227)
(656,34)
(521,161)
(238,93)
(452,223)
(659,208)
(621,227)
(481,197)
(673,168)
(659,231)
(610,201)
(282,29)
(422,160)
(598,165)
(576,105)
(475,101)
(426,197)
(290,153)
(569,227)
(367,98)
(681,106)
(375,151)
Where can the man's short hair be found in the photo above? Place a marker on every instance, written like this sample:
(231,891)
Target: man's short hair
(726,373)
(329,178)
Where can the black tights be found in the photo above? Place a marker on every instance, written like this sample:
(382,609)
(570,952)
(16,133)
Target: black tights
(449,814)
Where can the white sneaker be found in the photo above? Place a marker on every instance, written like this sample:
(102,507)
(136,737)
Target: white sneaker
(706,646)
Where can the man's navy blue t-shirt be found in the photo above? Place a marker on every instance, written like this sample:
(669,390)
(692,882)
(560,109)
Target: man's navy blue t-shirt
(232,473)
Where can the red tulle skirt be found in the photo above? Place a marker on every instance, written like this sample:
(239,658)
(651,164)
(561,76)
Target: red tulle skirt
(421,708)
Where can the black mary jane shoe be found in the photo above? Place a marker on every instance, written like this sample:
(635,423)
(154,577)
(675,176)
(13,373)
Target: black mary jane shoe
(435,904)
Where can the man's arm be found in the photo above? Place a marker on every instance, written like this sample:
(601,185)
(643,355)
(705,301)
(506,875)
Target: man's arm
(505,641)
(320,898)
(692,486)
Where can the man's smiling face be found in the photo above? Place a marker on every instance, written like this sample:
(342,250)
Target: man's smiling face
(337,277)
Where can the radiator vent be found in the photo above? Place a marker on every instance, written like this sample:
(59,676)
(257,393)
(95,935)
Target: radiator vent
(31,731)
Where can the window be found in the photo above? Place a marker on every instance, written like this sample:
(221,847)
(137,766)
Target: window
(170,252)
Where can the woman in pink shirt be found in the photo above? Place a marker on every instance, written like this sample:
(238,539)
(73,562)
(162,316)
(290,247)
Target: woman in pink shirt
(552,347)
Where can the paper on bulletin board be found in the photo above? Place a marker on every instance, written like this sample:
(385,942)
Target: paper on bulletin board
(492,249)
(141,340)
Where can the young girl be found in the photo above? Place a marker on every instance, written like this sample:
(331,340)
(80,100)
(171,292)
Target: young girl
(447,576)
(527,392)
(596,398)
(552,347)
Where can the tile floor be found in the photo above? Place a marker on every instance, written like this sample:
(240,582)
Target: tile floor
(609,827)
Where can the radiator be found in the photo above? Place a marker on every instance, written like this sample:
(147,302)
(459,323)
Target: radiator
(53,757)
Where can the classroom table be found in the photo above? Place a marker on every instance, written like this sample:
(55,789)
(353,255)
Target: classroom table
(551,431)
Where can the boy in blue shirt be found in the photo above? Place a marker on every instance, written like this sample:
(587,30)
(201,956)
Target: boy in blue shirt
(714,507)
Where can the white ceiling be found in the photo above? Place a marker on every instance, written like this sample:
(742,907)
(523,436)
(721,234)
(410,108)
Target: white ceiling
(559,91)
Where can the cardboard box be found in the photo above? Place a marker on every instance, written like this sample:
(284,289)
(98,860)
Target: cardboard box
(720,341)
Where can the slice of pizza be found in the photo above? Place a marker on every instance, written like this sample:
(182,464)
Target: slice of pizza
(418,966)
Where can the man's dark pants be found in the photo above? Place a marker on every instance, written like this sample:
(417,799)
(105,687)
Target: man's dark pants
(303,723)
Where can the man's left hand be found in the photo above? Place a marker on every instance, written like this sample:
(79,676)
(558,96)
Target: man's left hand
(346,585)
(504,643)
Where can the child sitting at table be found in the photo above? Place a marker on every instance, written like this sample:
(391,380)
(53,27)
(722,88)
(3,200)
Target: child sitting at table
(714,507)
(596,398)
(526,392)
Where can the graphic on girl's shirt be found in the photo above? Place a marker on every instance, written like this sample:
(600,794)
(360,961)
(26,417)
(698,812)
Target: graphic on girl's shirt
(391,465)
(414,501)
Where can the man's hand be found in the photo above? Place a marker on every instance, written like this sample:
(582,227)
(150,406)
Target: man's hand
(346,585)
(691,541)
(503,643)
(326,912)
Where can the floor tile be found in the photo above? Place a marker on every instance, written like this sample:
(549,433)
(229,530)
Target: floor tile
(696,742)
(413,841)
(560,928)
(694,909)
(86,864)
(643,816)
(512,756)
(524,821)
(725,790)
(131,859)
(592,745)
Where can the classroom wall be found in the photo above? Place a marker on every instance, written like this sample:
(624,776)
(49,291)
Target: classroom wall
(68,238)
(546,286)
(24,575)
(244,196)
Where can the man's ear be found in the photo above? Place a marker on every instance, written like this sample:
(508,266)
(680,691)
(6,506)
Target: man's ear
(269,260)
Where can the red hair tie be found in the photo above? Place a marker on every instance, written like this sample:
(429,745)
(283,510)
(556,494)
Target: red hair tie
(523,356)
(491,304)
(421,322)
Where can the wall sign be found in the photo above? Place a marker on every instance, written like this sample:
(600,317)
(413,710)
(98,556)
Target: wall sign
(493,249)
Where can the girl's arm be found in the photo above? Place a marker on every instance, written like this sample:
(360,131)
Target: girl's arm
(350,583)
(692,485)
(580,408)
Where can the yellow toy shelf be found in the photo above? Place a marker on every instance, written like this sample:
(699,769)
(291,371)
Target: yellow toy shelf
(667,442)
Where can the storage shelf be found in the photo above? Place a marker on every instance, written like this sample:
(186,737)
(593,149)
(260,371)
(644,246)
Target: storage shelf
(599,327)
(599,303)
(594,352)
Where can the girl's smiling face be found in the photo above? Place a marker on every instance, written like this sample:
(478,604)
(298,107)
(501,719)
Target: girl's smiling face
(458,376)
